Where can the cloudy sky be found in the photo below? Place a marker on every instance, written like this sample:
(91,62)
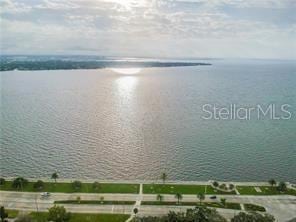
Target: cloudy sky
(157,28)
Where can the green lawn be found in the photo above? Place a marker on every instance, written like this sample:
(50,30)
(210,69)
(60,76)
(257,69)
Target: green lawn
(254,207)
(67,188)
(95,202)
(183,189)
(266,190)
(12,213)
(42,217)
(229,205)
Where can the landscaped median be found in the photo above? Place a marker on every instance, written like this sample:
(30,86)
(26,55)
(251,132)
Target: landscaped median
(234,206)
(183,189)
(69,188)
(98,202)
(227,205)
(254,207)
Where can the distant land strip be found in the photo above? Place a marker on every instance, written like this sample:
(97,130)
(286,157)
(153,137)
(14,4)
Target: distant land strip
(7,65)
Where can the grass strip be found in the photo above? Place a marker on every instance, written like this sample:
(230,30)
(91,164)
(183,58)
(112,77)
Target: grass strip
(77,217)
(12,213)
(68,188)
(183,189)
(265,190)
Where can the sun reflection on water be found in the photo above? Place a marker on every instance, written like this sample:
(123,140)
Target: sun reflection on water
(126,85)
(127,71)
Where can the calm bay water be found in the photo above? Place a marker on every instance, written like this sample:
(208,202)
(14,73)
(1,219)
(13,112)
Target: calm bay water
(102,125)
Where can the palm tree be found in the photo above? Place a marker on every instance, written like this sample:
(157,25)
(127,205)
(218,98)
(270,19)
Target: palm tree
(201,197)
(179,197)
(272,182)
(159,197)
(282,187)
(96,186)
(19,183)
(164,177)
(55,176)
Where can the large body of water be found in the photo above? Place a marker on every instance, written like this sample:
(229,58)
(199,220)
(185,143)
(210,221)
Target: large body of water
(102,125)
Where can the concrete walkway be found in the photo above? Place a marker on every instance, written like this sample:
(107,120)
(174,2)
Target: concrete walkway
(137,204)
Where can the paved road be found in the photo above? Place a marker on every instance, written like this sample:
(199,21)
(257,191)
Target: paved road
(283,207)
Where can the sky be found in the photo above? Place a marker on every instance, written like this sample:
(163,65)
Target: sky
(150,28)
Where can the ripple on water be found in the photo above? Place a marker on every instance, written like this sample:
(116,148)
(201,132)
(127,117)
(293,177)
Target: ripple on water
(90,128)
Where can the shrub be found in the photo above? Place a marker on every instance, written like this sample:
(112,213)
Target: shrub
(77,185)
(78,199)
(231,186)
(2,181)
(58,214)
(215,184)
(223,186)
(96,185)
(282,187)
(39,185)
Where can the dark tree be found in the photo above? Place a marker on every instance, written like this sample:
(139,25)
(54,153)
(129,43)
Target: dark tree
(96,186)
(2,181)
(201,197)
(3,214)
(58,214)
(179,197)
(39,185)
(231,186)
(136,211)
(252,217)
(198,214)
(77,185)
(272,182)
(55,176)
(163,177)
(282,187)
(19,183)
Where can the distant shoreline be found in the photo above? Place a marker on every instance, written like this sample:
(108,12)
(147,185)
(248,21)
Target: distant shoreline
(31,65)
(159,181)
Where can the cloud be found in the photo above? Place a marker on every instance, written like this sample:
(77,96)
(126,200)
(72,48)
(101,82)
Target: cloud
(242,3)
(57,5)
(150,28)
(9,6)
